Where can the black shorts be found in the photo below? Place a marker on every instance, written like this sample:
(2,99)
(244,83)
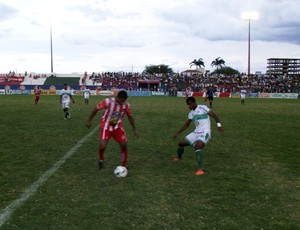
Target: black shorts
(210,98)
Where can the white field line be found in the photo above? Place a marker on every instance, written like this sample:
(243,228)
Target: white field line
(6,213)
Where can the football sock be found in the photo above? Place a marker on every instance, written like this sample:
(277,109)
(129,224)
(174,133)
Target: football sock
(124,158)
(180,151)
(199,157)
(101,155)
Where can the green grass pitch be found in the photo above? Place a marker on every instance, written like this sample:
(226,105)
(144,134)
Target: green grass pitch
(252,178)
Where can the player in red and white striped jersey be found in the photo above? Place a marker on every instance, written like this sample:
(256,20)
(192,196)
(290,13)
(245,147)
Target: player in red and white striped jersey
(111,124)
(37,93)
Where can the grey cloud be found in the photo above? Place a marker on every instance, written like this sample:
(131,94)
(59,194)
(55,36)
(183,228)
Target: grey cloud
(222,21)
(95,14)
(6,12)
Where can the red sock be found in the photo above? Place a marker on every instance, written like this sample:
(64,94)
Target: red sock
(101,155)
(124,158)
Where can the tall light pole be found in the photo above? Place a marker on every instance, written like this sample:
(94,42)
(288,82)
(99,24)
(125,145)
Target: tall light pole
(51,50)
(248,16)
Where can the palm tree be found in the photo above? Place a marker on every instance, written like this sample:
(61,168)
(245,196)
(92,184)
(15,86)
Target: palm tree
(218,62)
(158,69)
(198,63)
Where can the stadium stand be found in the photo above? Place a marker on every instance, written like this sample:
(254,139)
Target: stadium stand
(33,81)
(73,81)
(142,81)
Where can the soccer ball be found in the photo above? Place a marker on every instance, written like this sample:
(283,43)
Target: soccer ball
(120,171)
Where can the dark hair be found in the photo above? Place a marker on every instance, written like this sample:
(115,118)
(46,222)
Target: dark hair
(122,94)
(190,99)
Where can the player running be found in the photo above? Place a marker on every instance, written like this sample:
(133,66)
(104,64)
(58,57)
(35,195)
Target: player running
(86,95)
(37,93)
(209,96)
(243,96)
(111,124)
(65,98)
(200,115)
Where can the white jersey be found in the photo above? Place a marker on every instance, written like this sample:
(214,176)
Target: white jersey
(243,93)
(65,95)
(201,118)
(86,93)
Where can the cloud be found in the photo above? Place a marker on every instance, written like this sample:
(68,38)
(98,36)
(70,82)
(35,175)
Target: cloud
(90,35)
(6,12)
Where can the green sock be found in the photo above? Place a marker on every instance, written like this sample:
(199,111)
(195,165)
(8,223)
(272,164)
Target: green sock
(199,157)
(180,151)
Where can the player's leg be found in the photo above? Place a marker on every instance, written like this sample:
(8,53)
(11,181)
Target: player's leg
(188,140)
(105,135)
(124,150)
(210,101)
(120,136)
(65,113)
(199,157)
(201,140)
(65,107)
(101,150)
(243,100)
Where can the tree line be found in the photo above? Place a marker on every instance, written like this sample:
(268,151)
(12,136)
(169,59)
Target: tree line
(218,63)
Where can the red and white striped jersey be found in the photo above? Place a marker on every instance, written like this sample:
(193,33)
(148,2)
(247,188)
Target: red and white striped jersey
(113,114)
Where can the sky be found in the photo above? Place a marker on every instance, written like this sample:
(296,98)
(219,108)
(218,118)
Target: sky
(127,35)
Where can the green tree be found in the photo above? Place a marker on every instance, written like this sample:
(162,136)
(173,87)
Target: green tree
(218,62)
(158,69)
(226,70)
(198,63)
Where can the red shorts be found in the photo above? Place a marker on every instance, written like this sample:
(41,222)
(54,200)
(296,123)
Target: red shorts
(119,135)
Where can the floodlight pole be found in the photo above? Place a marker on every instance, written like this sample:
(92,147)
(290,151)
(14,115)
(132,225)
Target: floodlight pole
(249,48)
(249,16)
(51,50)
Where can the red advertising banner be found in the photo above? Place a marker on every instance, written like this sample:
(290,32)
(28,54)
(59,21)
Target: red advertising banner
(198,94)
(225,94)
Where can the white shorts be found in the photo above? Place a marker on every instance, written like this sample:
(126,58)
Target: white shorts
(202,136)
(65,105)
(243,96)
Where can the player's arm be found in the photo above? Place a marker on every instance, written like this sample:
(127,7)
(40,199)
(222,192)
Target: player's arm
(100,106)
(88,123)
(72,98)
(132,123)
(216,118)
(184,127)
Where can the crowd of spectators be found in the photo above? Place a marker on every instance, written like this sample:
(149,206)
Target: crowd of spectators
(35,76)
(199,82)
(180,81)
(13,76)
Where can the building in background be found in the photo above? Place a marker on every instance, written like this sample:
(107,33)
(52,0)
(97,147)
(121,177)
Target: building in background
(283,67)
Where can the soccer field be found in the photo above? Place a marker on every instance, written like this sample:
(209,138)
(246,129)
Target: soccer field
(50,180)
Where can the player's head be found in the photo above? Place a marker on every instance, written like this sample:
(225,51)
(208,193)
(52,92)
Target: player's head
(65,86)
(121,97)
(191,103)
